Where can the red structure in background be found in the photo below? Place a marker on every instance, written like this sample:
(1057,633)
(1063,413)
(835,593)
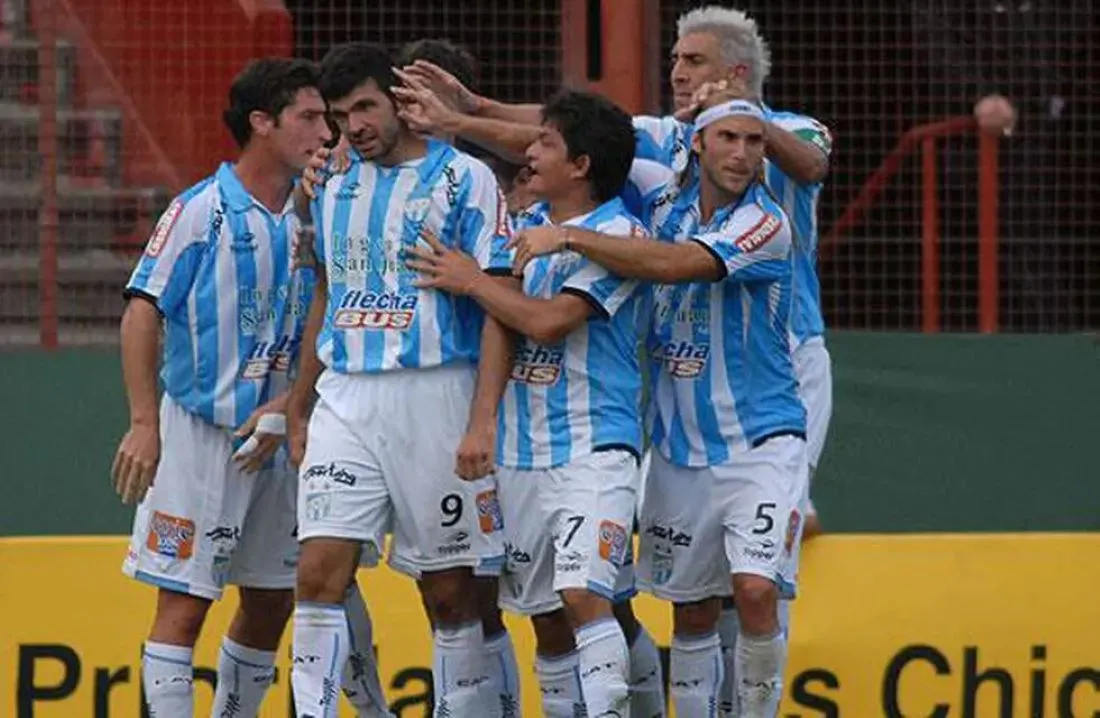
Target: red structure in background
(168,64)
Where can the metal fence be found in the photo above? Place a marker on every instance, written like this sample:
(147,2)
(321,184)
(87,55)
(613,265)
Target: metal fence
(109,107)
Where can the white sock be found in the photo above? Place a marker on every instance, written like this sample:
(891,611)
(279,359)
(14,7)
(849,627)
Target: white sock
(360,682)
(760,663)
(503,671)
(728,627)
(321,647)
(169,680)
(459,672)
(647,698)
(560,684)
(244,675)
(605,668)
(696,669)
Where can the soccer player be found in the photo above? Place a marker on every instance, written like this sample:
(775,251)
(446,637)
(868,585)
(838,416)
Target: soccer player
(570,433)
(217,506)
(728,427)
(503,670)
(723,45)
(401,412)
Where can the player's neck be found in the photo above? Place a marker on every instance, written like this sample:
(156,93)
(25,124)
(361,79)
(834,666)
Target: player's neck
(409,147)
(713,198)
(266,179)
(575,203)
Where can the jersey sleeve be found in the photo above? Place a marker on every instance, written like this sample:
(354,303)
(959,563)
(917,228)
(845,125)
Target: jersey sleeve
(808,129)
(654,138)
(751,246)
(605,292)
(484,225)
(647,181)
(167,269)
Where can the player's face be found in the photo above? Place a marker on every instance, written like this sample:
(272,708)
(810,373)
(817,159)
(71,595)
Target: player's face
(368,118)
(731,152)
(551,170)
(301,129)
(696,58)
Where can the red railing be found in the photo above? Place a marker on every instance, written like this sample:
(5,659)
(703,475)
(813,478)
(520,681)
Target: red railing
(925,137)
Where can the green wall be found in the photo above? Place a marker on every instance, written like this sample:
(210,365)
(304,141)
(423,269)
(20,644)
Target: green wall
(929,433)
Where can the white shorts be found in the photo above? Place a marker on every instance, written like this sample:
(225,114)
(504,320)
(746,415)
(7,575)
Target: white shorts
(700,525)
(568,527)
(814,369)
(380,454)
(205,523)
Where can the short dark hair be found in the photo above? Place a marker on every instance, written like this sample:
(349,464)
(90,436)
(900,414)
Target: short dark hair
(267,85)
(450,56)
(348,66)
(592,125)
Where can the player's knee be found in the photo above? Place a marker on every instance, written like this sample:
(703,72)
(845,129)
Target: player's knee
(179,618)
(450,596)
(624,614)
(757,603)
(261,617)
(325,569)
(697,618)
(583,606)
(553,634)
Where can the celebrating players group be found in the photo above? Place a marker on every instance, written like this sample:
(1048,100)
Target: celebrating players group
(407,310)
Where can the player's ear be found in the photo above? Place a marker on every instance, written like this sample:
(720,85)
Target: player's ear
(697,142)
(261,122)
(581,167)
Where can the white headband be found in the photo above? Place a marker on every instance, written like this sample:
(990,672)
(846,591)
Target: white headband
(733,108)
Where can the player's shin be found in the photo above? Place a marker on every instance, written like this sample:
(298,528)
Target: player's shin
(696,674)
(244,675)
(361,683)
(647,698)
(761,651)
(168,678)
(560,684)
(503,673)
(459,671)
(321,649)
(605,667)
(728,628)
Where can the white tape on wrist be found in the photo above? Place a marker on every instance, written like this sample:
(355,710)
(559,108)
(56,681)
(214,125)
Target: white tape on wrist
(272,424)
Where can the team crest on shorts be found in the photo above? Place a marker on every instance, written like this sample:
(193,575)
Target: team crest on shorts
(171,536)
(488,512)
(613,544)
(792,530)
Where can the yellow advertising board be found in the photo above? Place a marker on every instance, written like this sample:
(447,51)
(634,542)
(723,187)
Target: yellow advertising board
(946,626)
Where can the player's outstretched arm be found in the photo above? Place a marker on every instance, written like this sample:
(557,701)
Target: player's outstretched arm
(546,321)
(300,400)
(139,452)
(464,100)
(633,258)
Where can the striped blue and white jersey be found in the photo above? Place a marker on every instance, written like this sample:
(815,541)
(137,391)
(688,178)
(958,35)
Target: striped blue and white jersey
(218,267)
(668,141)
(582,395)
(722,378)
(366,220)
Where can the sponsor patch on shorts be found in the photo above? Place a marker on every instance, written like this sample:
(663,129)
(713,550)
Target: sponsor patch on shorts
(171,536)
(488,512)
(613,540)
